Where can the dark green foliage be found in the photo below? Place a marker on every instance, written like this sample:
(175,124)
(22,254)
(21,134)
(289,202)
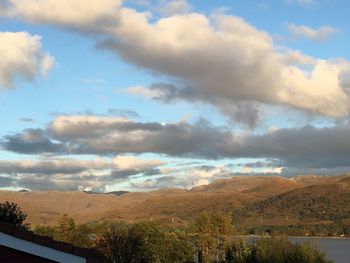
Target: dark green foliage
(267,250)
(145,242)
(334,229)
(48,231)
(304,204)
(67,231)
(11,213)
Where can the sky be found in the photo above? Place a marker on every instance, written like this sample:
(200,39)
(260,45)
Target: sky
(137,95)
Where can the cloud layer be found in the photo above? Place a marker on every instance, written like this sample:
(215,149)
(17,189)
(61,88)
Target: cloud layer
(21,57)
(287,151)
(308,147)
(73,174)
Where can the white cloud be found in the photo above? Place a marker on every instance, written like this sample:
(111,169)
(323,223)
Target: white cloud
(219,59)
(90,125)
(148,93)
(131,162)
(226,62)
(319,34)
(22,57)
(75,14)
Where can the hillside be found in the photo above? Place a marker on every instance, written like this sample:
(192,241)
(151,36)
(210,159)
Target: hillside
(315,204)
(268,198)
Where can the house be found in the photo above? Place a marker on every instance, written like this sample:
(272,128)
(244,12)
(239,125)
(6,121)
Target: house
(17,245)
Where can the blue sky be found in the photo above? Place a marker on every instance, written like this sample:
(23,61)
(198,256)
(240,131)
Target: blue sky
(140,95)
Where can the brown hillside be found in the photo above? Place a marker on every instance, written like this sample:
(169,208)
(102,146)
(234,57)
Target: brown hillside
(173,205)
(322,203)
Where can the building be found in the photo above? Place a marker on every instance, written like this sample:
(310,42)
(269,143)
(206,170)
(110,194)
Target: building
(17,245)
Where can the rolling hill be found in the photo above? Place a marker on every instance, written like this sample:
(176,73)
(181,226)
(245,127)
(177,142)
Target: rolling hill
(299,199)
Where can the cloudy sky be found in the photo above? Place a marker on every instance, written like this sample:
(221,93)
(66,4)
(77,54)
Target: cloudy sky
(137,95)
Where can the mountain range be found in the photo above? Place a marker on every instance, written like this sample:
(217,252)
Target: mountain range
(253,199)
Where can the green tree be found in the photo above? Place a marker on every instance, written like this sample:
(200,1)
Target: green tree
(11,213)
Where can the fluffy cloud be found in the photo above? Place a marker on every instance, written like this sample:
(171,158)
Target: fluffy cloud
(205,56)
(73,14)
(21,57)
(319,34)
(221,59)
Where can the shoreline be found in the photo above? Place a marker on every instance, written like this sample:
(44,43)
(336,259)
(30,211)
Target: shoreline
(301,237)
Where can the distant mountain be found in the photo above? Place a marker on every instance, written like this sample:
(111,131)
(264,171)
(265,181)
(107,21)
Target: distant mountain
(118,193)
(23,191)
(255,200)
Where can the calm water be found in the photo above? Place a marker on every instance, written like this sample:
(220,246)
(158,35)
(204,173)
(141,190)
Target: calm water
(337,250)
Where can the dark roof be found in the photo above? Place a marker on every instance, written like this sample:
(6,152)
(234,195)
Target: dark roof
(91,255)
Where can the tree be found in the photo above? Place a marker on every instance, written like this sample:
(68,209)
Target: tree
(145,242)
(11,213)
(114,243)
(66,227)
(211,233)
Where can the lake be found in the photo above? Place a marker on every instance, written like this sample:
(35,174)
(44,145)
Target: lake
(338,249)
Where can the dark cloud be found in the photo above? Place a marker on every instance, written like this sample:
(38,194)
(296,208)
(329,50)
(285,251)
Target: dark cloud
(260,164)
(6,181)
(306,147)
(50,167)
(31,141)
(125,174)
(45,183)
(246,112)
(73,174)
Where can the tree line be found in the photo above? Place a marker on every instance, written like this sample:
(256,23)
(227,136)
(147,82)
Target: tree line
(210,235)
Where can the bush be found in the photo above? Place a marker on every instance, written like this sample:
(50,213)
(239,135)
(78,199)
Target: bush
(267,250)
(145,242)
